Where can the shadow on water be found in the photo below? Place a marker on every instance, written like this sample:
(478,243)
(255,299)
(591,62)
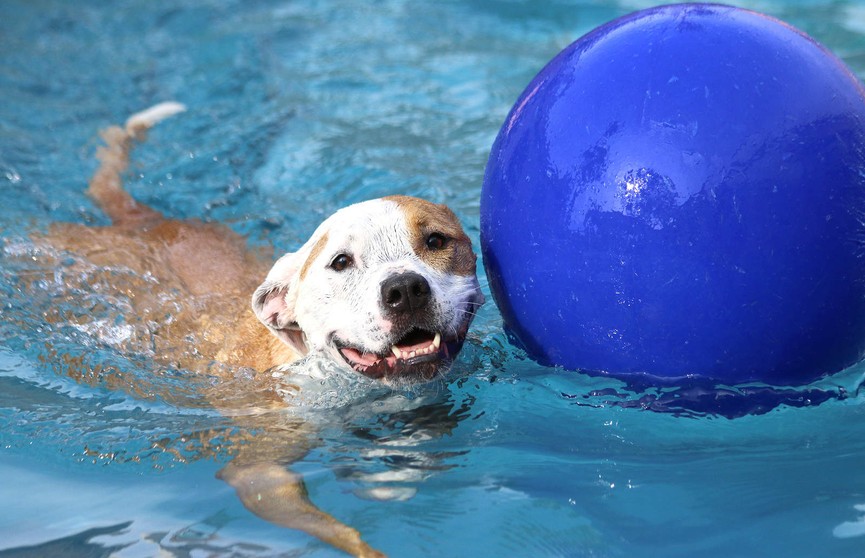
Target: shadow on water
(79,545)
(697,397)
(197,539)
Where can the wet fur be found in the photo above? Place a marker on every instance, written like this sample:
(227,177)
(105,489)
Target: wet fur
(201,275)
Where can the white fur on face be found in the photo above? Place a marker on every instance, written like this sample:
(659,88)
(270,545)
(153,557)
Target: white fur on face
(347,304)
(331,306)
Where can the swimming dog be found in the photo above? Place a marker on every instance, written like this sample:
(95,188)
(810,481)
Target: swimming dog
(385,288)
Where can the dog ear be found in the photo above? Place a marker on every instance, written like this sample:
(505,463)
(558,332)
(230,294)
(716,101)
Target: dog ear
(274,300)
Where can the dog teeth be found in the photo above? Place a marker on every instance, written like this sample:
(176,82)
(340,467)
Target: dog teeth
(433,347)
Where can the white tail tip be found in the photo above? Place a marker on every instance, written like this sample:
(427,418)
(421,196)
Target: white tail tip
(149,117)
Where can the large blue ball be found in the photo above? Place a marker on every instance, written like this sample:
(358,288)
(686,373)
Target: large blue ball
(681,192)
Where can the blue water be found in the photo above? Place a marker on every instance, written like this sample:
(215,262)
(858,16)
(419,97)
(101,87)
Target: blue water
(297,109)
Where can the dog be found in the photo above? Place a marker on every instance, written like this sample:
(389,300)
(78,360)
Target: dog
(386,289)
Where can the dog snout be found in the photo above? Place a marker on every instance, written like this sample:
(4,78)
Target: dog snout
(404,293)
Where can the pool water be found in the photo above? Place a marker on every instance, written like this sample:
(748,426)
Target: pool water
(298,108)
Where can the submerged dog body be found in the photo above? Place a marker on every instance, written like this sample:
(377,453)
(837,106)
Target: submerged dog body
(385,288)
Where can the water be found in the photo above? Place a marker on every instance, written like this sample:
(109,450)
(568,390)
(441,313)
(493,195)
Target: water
(297,109)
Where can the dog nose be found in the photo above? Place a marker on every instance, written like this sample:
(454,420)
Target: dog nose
(404,293)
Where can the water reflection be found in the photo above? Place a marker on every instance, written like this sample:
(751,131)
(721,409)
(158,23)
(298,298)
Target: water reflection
(399,452)
(850,529)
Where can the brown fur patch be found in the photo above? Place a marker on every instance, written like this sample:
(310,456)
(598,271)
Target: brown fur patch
(313,254)
(199,274)
(424,218)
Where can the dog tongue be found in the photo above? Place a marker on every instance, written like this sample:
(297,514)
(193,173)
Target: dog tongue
(367,359)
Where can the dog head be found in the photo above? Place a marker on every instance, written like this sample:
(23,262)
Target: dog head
(386,287)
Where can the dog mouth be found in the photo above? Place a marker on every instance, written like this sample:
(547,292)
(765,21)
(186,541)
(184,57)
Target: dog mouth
(419,355)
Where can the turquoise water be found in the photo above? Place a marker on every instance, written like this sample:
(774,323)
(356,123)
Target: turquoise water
(297,109)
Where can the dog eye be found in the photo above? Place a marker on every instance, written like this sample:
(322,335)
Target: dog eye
(341,262)
(436,241)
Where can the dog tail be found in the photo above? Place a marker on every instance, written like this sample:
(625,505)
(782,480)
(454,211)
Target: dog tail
(142,121)
(106,186)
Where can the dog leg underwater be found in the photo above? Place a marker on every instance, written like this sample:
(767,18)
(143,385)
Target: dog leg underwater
(275,494)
